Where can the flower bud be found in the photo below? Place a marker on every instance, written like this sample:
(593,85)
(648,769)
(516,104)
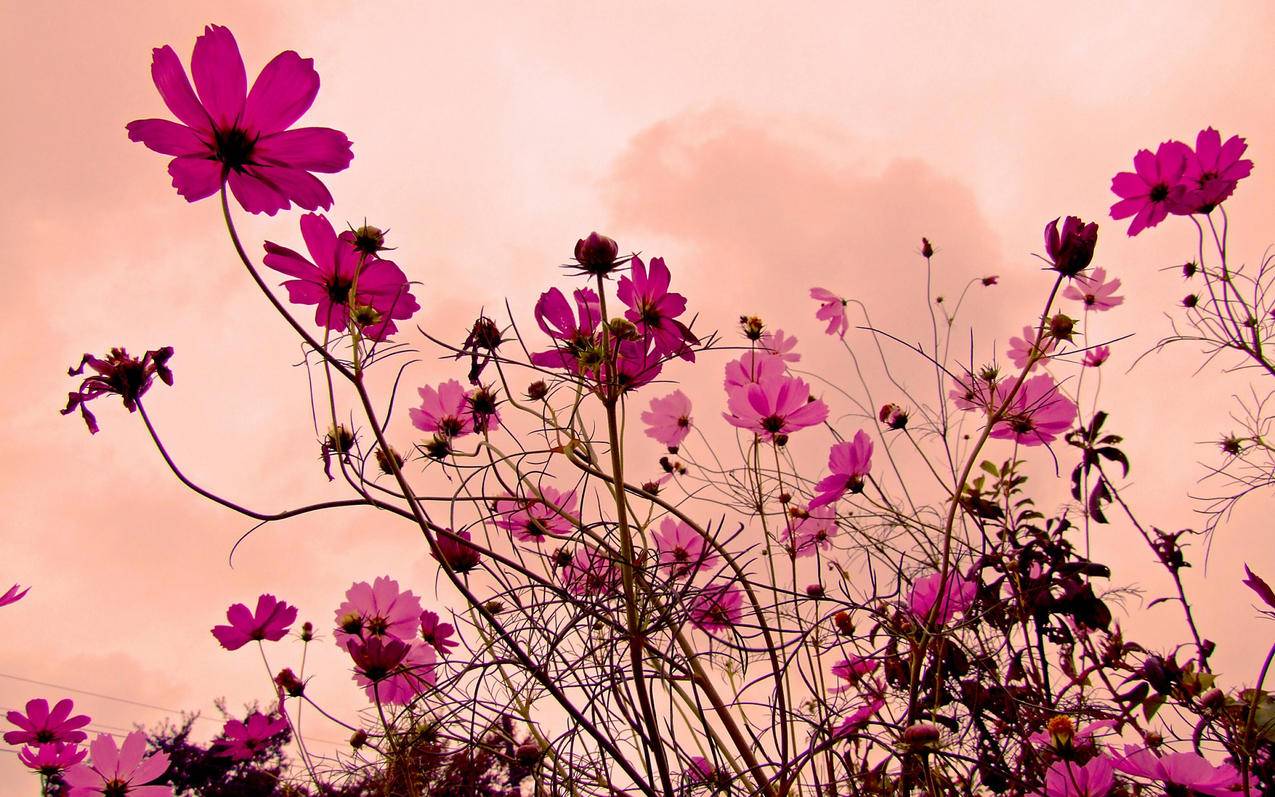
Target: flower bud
(369,239)
(1061,731)
(845,626)
(623,329)
(537,390)
(1061,326)
(358,739)
(815,591)
(288,681)
(484,334)
(1071,249)
(1190,300)
(927,250)
(1188,269)
(893,416)
(307,631)
(596,254)
(528,753)
(339,440)
(387,460)
(923,737)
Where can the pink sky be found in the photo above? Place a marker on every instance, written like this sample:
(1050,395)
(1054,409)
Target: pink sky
(759,148)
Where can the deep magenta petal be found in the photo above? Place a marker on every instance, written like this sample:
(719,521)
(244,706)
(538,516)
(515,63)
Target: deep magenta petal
(283,91)
(314,149)
(219,75)
(167,138)
(300,187)
(195,178)
(256,195)
(286,261)
(174,87)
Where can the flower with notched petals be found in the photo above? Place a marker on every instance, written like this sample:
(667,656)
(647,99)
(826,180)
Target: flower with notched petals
(269,622)
(42,725)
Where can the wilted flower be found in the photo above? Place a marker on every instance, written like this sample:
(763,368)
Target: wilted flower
(125,376)
(269,622)
(669,419)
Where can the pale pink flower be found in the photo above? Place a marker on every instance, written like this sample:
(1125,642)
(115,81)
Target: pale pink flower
(1185,770)
(444,410)
(1095,290)
(1038,413)
(777,406)
(242,741)
(681,549)
(379,609)
(120,771)
(591,572)
(959,594)
(1096,356)
(39,725)
(753,366)
(717,607)
(1153,188)
(1020,349)
(12,595)
(781,345)
(533,519)
(814,531)
(832,309)
(849,462)
(269,622)
(1068,779)
(668,421)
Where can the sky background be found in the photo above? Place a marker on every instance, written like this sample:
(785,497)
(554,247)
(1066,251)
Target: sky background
(761,149)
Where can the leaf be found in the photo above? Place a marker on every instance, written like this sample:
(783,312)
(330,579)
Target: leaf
(1115,455)
(1151,705)
(1263,590)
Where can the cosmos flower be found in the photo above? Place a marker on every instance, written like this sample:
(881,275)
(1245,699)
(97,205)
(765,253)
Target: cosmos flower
(572,331)
(1213,169)
(1096,356)
(12,595)
(832,309)
(444,410)
(860,717)
(532,519)
(959,594)
(119,374)
(717,606)
(269,622)
(654,310)
(379,609)
(777,406)
(591,572)
(781,345)
(1068,779)
(1071,249)
(849,462)
(1153,188)
(1021,349)
(814,531)
(436,633)
(242,741)
(52,758)
(39,725)
(681,550)
(456,553)
(1188,771)
(1095,290)
(852,670)
(344,284)
(230,134)
(391,670)
(120,771)
(754,366)
(668,421)
(1038,413)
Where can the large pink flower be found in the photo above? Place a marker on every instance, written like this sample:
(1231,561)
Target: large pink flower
(12,595)
(669,419)
(1186,770)
(777,406)
(379,609)
(655,310)
(1095,290)
(717,606)
(1153,188)
(444,410)
(681,550)
(832,309)
(230,134)
(849,462)
(1067,779)
(532,519)
(342,282)
(242,741)
(959,594)
(1038,413)
(269,622)
(52,758)
(42,726)
(1213,169)
(119,771)
(1021,349)
(754,366)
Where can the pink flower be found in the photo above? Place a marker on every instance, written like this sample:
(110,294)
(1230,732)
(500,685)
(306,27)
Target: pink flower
(378,609)
(391,670)
(860,716)
(636,364)
(120,374)
(1071,250)
(849,462)
(242,741)
(270,622)
(814,531)
(532,519)
(116,772)
(1061,733)
(52,758)
(1154,187)
(754,366)
(12,595)
(1095,291)
(1096,356)
(1185,770)
(832,309)
(1213,169)
(1038,413)
(669,419)
(591,572)
(456,553)
(230,134)
(781,345)
(1067,779)
(972,392)
(852,670)
(436,633)
(444,410)
(717,607)
(572,331)
(344,283)
(42,726)
(777,406)
(1021,349)
(654,310)
(681,550)
(959,594)
(701,770)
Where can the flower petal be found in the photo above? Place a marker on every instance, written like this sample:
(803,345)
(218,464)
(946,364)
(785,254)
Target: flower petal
(174,87)
(315,149)
(195,178)
(166,138)
(283,91)
(219,75)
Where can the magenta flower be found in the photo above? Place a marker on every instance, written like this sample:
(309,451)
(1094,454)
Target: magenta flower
(270,622)
(1213,169)
(444,410)
(637,363)
(52,758)
(1071,249)
(832,309)
(1068,779)
(681,550)
(456,553)
(378,609)
(849,462)
(1095,290)
(119,374)
(959,594)
(12,595)
(437,633)
(1022,349)
(754,366)
(813,532)
(669,419)
(701,770)
(242,741)
(1038,413)
(860,717)
(591,572)
(119,771)
(717,607)
(1187,771)
(654,310)
(230,134)
(391,670)
(852,670)
(532,519)
(573,332)
(346,285)
(970,392)
(42,726)
(774,407)
(1096,356)
(781,345)
(1153,189)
